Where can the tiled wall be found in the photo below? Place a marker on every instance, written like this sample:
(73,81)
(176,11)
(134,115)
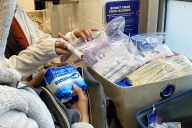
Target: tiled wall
(28,5)
(85,14)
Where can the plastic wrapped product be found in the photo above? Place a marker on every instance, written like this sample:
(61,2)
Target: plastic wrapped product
(139,73)
(148,75)
(72,49)
(169,75)
(121,74)
(116,69)
(60,81)
(160,51)
(112,66)
(182,62)
(148,41)
(168,68)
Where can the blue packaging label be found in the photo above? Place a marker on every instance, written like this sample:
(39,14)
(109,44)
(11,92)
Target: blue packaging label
(128,9)
(61,79)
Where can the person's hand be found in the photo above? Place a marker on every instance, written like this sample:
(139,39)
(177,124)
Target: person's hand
(85,34)
(37,80)
(60,35)
(81,104)
(61,48)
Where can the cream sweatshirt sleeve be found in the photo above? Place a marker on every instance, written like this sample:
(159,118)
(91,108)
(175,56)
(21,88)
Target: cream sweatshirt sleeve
(81,125)
(30,59)
(63,58)
(71,36)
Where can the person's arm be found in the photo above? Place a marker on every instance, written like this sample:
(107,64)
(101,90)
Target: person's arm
(35,55)
(82,106)
(37,80)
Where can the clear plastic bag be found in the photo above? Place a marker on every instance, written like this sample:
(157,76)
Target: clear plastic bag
(111,34)
(160,51)
(112,53)
(166,125)
(148,41)
(182,63)
(161,69)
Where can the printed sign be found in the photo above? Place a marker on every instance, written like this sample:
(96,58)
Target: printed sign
(127,9)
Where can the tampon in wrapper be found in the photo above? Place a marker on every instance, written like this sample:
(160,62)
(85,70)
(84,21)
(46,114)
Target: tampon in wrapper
(101,56)
(176,59)
(139,73)
(120,75)
(169,75)
(72,49)
(97,58)
(184,65)
(186,71)
(147,76)
(115,64)
(144,68)
(106,53)
(168,68)
(116,69)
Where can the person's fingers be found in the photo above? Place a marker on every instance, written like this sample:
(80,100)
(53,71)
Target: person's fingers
(36,81)
(67,39)
(40,75)
(61,45)
(68,105)
(94,29)
(59,64)
(61,51)
(60,35)
(85,94)
(90,32)
(79,92)
(83,36)
(87,33)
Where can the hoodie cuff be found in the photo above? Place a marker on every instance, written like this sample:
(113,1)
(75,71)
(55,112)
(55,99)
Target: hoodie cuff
(49,47)
(81,125)
(71,36)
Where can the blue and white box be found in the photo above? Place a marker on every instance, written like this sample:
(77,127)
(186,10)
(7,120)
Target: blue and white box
(60,81)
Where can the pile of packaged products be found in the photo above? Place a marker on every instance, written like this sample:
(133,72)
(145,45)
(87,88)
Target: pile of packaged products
(132,60)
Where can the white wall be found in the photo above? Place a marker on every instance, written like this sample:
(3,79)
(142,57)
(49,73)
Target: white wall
(85,14)
(28,5)
(179,26)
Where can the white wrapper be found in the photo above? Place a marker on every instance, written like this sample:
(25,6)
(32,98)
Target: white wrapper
(120,75)
(169,75)
(141,72)
(145,68)
(113,65)
(72,49)
(147,76)
(116,69)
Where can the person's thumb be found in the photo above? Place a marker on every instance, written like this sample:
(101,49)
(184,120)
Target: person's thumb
(40,75)
(59,35)
(79,91)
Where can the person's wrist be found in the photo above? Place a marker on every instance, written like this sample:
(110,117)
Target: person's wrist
(85,118)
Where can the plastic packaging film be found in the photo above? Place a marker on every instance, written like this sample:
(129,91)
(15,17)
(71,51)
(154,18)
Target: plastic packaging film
(139,73)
